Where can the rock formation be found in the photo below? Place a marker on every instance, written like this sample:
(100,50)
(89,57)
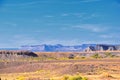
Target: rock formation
(76,48)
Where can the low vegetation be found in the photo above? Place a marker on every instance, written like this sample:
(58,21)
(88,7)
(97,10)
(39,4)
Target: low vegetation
(74,77)
(96,56)
(62,66)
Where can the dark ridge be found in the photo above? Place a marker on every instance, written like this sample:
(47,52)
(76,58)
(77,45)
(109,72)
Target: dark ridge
(11,54)
(32,54)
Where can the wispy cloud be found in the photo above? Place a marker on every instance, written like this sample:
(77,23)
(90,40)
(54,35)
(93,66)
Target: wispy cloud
(10,24)
(34,3)
(79,14)
(76,15)
(81,1)
(91,16)
(25,4)
(78,42)
(82,15)
(90,27)
(109,36)
(64,42)
(73,14)
(39,31)
(65,14)
(102,42)
(90,0)
(49,16)
(19,39)
(106,36)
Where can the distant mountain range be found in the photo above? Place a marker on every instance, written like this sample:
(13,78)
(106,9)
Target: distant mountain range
(62,48)
(56,48)
(9,48)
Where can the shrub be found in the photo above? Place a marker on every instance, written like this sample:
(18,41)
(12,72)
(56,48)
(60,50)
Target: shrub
(83,57)
(66,77)
(21,78)
(96,56)
(75,77)
(79,57)
(108,54)
(71,56)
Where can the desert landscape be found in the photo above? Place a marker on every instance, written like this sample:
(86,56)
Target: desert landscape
(59,40)
(60,66)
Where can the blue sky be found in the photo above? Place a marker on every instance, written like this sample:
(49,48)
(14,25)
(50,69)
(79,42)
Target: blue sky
(68,22)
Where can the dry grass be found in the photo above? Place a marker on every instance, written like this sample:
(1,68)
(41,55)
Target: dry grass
(41,74)
(50,67)
(46,75)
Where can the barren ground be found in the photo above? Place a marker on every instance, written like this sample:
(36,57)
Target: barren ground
(93,69)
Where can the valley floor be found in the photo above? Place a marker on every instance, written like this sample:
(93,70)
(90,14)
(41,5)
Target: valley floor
(93,69)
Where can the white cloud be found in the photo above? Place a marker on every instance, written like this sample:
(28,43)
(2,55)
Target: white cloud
(109,36)
(82,15)
(79,14)
(102,42)
(19,40)
(42,2)
(106,36)
(65,14)
(64,42)
(26,4)
(78,42)
(91,16)
(48,16)
(73,14)
(90,1)
(81,1)
(90,27)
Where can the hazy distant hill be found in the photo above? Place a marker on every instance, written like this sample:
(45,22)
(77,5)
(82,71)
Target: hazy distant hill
(56,48)
(75,48)
(9,48)
(62,48)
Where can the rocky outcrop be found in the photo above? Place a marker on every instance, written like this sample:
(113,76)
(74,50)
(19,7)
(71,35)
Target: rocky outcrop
(11,54)
(103,47)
